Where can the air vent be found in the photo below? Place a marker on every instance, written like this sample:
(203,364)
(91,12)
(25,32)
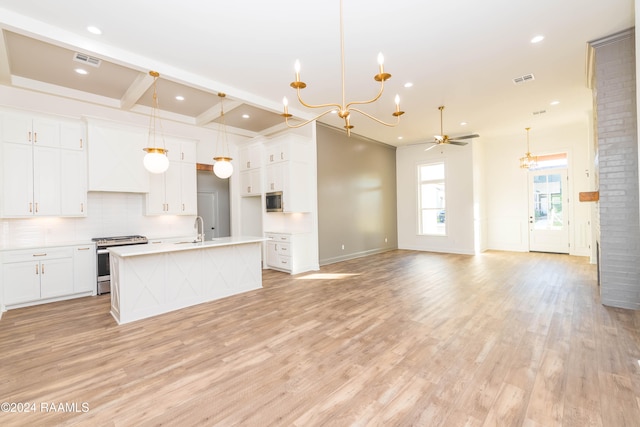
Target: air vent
(86,59)
(536,113)
(523,79)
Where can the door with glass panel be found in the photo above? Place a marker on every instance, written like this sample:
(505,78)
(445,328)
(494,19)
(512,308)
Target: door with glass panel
(548,213)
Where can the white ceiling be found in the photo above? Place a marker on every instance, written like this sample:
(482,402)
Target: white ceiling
(463,54)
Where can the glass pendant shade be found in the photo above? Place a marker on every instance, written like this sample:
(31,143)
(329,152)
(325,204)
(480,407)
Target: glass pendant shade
(222,167)
(156,160)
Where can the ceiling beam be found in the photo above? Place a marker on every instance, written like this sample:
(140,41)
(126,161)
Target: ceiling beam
(133,94)
(214,112)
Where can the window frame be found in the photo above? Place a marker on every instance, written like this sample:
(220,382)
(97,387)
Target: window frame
(420,208)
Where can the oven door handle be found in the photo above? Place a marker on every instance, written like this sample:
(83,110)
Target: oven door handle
(102,251)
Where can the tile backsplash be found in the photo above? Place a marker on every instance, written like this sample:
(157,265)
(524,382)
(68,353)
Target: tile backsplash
(108,214)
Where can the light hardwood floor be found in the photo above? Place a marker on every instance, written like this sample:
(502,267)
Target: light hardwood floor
(396,339)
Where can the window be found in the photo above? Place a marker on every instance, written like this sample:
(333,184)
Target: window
(432,212)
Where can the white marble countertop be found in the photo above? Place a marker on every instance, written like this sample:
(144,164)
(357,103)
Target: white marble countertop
(186,245)
(32,246)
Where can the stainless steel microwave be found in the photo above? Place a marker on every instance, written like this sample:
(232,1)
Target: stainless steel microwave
(274,201)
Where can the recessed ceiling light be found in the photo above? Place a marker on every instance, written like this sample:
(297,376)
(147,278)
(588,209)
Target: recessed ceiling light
(180,98)
(537,39)
(81,71)
(400,137)
(94,30)
(463,123)
(554,102)
(245,116)
(408,84)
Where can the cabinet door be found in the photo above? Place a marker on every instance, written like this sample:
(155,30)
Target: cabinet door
(21,282)
(56,277)
(272,254)
(275,177)
(73,182)
(16,128)
(156,200)
(172,188)
(46,132)
(84,269)
(72,136)
(189,189)
(46,181)
(17,180)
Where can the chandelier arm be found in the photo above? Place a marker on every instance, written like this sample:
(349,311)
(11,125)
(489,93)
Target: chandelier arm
(338,106)
(286,119)
(369,101)
(376,119)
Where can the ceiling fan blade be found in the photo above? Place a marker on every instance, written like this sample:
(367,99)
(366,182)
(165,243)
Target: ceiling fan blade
(429,148)
(475,135)
(451,141)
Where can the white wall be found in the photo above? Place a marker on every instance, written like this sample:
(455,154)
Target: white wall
(460,201)
(506,185)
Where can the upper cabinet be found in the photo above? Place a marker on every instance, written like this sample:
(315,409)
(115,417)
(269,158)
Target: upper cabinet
(288,169)
(115,157)
(43,166)
(250,159)
(175,191)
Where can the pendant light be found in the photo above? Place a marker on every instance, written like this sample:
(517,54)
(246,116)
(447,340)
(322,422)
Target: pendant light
(222,166)
(156,160)
(528,161)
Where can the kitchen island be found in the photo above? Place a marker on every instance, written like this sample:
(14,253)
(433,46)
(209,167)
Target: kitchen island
(147,280)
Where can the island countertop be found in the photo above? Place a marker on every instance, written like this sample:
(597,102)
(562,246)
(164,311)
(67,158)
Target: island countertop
(186,245)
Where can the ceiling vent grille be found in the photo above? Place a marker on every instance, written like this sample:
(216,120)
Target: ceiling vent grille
(537,113)
(86,59)
(523,79)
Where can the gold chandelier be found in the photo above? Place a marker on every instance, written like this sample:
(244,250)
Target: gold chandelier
(343,109)
(156,160)
(528,161)
(222,166)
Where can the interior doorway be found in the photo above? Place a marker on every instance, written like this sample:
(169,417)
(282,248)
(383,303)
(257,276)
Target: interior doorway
(548,213)
(208,210)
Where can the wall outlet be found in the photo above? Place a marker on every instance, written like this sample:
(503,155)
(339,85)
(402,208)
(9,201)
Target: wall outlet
(385,240)
(343,247)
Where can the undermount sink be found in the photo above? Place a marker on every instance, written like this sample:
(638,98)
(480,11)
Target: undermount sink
(182,243)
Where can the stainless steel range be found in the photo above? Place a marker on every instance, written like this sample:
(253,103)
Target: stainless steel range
(103,269)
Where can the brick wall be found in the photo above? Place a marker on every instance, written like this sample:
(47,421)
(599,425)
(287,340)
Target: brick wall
(617,170)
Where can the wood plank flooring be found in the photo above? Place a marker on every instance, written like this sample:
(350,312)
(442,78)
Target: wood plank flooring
(401,338)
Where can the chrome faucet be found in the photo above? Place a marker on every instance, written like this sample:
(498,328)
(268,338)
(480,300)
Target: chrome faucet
(199,226)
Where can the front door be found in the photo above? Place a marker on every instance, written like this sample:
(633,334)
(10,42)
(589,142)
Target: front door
(548,214)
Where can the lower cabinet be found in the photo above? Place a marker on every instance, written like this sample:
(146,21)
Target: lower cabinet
(35,276)
(288,252)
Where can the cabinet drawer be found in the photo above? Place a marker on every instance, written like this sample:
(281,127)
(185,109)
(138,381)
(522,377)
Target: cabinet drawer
(277,237)
(283,249)
(30,254)
(283,262)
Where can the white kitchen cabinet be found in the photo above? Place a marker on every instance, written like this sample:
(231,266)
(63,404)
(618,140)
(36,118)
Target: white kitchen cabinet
(40,275)
(73,169)
(250,156)
(84,269)
(288,169)
(115,154)
(30,166)
(251,182)
(288,252)
(36,275)
(175,191)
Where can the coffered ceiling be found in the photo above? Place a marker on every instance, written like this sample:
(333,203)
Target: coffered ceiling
(463,54)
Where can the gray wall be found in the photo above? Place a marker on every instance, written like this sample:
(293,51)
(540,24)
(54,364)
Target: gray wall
(617,170)
(356,196)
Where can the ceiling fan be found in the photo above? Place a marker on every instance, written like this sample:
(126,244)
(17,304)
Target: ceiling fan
(445,139)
